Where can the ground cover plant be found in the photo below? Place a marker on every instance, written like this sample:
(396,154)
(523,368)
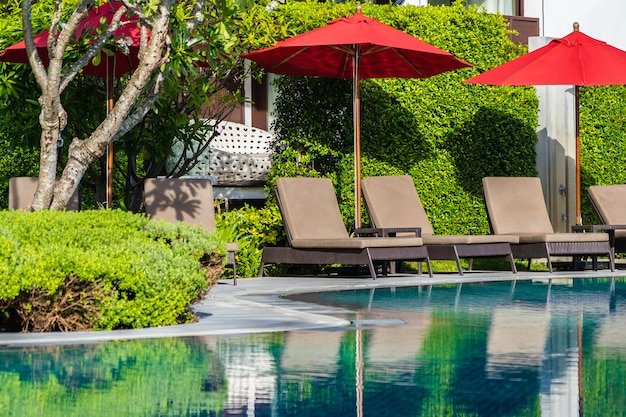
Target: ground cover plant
(101,270)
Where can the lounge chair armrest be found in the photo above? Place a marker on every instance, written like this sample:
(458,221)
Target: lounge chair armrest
(367,231)
(389,231)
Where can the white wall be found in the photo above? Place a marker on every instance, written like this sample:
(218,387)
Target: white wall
(600,19)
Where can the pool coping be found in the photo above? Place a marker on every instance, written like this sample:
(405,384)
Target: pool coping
(258,305)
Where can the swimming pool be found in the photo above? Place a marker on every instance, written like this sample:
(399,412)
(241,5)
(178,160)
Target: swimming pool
(543,348)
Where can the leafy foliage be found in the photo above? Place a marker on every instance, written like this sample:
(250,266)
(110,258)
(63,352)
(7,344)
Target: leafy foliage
(136,272)
(603,140)
(252,228)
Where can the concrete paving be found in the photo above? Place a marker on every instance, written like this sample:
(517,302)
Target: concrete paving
(258,305)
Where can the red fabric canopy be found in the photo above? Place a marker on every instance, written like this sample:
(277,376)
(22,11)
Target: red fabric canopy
(576,59)
(328,51)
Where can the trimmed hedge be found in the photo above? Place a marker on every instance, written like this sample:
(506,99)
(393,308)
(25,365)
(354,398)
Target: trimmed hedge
(602,140)
(101,270)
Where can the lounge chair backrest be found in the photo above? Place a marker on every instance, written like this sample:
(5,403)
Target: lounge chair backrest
(516,205)
(188,200)
(22,190)
(310,209)
(392,201)
(609,202)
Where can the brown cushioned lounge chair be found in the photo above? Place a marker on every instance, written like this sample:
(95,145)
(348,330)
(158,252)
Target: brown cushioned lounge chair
(317,235)
(22,190)
(188,200)
(516,206)
(609,203)
(393,204)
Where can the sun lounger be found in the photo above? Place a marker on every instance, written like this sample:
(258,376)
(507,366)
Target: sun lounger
(516,206)
(22,190)
(609,203)
(394,205)
(317,235)
(188,200)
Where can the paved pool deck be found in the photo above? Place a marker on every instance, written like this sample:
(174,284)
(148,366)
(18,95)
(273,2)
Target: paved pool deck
(258,305)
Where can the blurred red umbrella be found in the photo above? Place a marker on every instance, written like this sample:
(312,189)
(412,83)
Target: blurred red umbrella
(576,59)
(107,66)
(353,48)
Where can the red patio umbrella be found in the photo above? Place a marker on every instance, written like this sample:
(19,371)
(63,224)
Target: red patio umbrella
(356,47)
(576,59)
(109,67)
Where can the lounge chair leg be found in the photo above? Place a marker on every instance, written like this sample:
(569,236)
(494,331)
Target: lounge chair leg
(385,268)
(594,263)
(512,260)
(260,275)
(459,267)
(470,264)
(430,270)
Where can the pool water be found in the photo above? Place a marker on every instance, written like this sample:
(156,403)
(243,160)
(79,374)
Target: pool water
(553,348)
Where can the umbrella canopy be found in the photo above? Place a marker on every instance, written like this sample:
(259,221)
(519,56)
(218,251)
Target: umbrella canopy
(353,48)
(576,59)
(124,60)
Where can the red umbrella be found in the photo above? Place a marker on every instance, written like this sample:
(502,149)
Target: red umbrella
(356,47)
(576,59)
(109,67)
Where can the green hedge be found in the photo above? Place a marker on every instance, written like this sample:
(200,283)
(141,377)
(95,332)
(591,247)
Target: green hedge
(603,140)
(101,269)
(444,133)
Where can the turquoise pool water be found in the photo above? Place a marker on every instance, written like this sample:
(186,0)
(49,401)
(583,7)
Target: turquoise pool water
(552,348)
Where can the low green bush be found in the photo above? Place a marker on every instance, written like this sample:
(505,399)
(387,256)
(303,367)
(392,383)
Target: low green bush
(253,228)
(101,270)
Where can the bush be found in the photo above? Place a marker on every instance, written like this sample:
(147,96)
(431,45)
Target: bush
(101,270)
(253,229)
(603,140)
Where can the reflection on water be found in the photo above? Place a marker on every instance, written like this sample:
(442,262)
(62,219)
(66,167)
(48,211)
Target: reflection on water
(498,349)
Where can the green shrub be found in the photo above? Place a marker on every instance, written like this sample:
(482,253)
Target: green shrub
(603,140)
(102,269)
(252,228)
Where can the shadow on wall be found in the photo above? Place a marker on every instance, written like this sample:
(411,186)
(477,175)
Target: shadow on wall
(389,132)
(492,143)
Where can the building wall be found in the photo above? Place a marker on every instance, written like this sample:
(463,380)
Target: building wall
(601,19)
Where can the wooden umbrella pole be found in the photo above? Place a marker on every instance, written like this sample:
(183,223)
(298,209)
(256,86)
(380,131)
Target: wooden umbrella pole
(579,219)
(110,84)
(357,135)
